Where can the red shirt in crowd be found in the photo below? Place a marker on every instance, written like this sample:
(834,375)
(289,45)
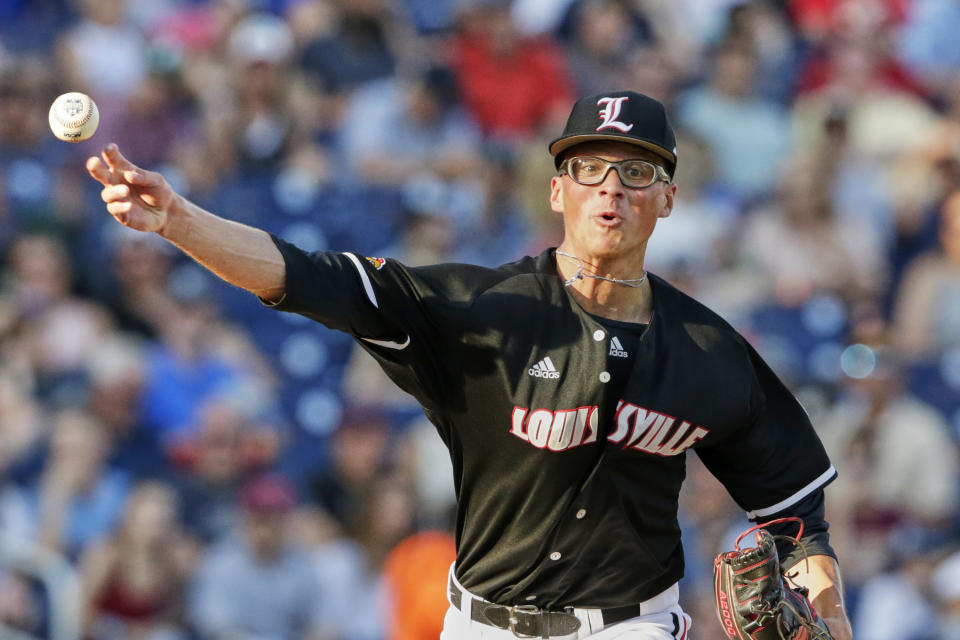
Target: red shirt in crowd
(511,94)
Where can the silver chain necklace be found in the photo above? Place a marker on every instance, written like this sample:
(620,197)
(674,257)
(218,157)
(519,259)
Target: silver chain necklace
(580,275)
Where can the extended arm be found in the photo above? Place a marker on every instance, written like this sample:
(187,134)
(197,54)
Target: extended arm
(143,200)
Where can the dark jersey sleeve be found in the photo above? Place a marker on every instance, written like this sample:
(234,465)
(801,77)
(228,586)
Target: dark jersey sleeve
(815,539)
(775,459)
(336,289)
(410,319)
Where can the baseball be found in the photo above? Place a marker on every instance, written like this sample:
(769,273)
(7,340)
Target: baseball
(74,117)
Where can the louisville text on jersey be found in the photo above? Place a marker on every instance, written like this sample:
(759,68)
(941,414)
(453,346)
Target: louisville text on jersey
(653,432)
(637,428)
(556,430)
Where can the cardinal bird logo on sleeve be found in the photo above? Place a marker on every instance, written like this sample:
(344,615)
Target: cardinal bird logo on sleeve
(376,262)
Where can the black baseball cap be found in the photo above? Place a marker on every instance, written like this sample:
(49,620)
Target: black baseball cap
(623,116)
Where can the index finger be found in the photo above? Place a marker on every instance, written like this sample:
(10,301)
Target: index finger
(115,160)
(99,171)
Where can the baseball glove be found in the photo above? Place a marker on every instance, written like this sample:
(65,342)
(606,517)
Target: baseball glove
(756,600)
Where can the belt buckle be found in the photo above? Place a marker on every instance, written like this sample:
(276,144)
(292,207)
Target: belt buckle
(529,609)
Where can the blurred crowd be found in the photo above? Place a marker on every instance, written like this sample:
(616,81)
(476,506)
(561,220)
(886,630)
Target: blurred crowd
(214,470)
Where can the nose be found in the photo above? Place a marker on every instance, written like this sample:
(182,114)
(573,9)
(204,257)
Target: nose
(612,185)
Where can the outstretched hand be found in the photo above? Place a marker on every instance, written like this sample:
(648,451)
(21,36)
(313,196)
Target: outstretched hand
(137,198)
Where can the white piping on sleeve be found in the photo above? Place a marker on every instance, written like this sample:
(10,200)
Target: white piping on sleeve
(368,288)
(389,344)
(795,498)
(273,303)
(367,285)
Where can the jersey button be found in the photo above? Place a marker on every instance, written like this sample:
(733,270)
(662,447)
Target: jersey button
(555,555)
(581,513)
(599,335)
(605,377)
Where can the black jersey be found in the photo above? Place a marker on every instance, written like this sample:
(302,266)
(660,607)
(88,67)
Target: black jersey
(567,480)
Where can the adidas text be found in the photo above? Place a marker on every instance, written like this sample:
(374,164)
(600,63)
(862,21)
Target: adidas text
(544,369)
(616,349)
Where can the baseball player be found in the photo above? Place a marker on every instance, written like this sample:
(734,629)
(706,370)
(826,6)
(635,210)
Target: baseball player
(567,387)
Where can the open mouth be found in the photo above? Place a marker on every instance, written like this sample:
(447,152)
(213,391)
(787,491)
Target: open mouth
(608,218)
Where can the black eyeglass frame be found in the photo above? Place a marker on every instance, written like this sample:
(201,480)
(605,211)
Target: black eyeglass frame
(660,174)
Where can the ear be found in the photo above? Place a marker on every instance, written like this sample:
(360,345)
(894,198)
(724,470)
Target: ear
(556,194)
(668,195)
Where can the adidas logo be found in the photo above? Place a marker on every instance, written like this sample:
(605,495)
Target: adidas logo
(544,369)
(616,349)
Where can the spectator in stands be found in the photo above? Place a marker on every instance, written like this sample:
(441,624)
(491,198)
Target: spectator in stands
(215,461)
(902,468)
(349,597)
(104,53)
(895,604)
(513,85)
(385,514)
(37,194)
(865,191)
(27,26)
(865,26)
(358,451)
(257,126)
(885,112)
(357,44)
(748,135)
(58,329)
(23,430)
(604,36)
(199,356)
(132,582)
(928,300)
(135,286)
(254,584)
(77,498)
(159,112)
(799,246)
(765,29)
(653,71)
(500,229)
(815,20)
(115,372)
(405,126)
